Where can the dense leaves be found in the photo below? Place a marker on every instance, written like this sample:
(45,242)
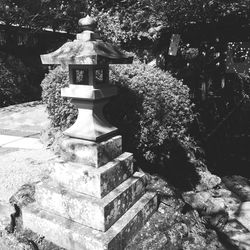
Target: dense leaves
(148,18)
(152,110)
(61,14)
(61,112)
(142,18)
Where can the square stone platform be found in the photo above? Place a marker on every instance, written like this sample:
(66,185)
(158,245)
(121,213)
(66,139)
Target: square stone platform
(96,182)
(93,200)
(74,236)
(90,153)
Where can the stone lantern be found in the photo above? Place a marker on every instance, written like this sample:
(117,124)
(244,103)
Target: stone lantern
(92,198)
(88,58)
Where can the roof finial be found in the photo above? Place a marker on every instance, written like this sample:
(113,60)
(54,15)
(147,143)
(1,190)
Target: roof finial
(88,23)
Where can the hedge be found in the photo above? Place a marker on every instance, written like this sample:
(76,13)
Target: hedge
(61,112)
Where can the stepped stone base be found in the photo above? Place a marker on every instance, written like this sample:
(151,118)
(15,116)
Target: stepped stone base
(96,182)
(74,236)
(92,199)
(90,211)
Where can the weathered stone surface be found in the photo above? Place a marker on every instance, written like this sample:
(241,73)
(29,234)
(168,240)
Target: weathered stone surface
(242,241)
(216,221)
(94,154)
(232,204)
(73,236)
(167,228)
(170,228)
(239,185)
(233,227)
(221,192)
(244,214)
(214,206)
(23,196)
(96,182)
(11,242)
(207,180)
(86,52)
(91,124)
(156,240)
(203,201)
(90,211)
(213,201)
(196,200)
(6,210)
(230,200)
(235,236)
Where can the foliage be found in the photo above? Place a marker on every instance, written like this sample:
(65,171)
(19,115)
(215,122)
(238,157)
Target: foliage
(128,19)
(19,86)
(112,27)
(9,92)
(152,110)
(148,18)
(61,112)
(60,14)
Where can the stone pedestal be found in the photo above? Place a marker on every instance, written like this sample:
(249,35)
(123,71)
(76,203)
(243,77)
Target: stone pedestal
(92,200)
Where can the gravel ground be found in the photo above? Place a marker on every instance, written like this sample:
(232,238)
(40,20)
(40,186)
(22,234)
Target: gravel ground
(24,117)
(20,167)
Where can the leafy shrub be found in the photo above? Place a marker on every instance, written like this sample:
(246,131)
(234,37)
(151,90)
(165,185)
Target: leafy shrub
(61,112)
(113,27)
(152,110)
(9,92)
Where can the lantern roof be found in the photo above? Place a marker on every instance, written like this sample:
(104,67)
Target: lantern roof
(87,49)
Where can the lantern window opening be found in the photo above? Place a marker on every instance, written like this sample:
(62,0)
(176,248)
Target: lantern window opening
(98,76)
(78,75)
(89,74)
(101,74)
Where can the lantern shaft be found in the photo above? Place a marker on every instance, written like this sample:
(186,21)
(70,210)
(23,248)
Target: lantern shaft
(91,123)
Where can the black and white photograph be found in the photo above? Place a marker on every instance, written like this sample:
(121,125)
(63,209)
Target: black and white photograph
(124,125)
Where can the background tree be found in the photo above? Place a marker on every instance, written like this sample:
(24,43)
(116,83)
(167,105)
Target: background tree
(142,18)
(38,14)
(149,18)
